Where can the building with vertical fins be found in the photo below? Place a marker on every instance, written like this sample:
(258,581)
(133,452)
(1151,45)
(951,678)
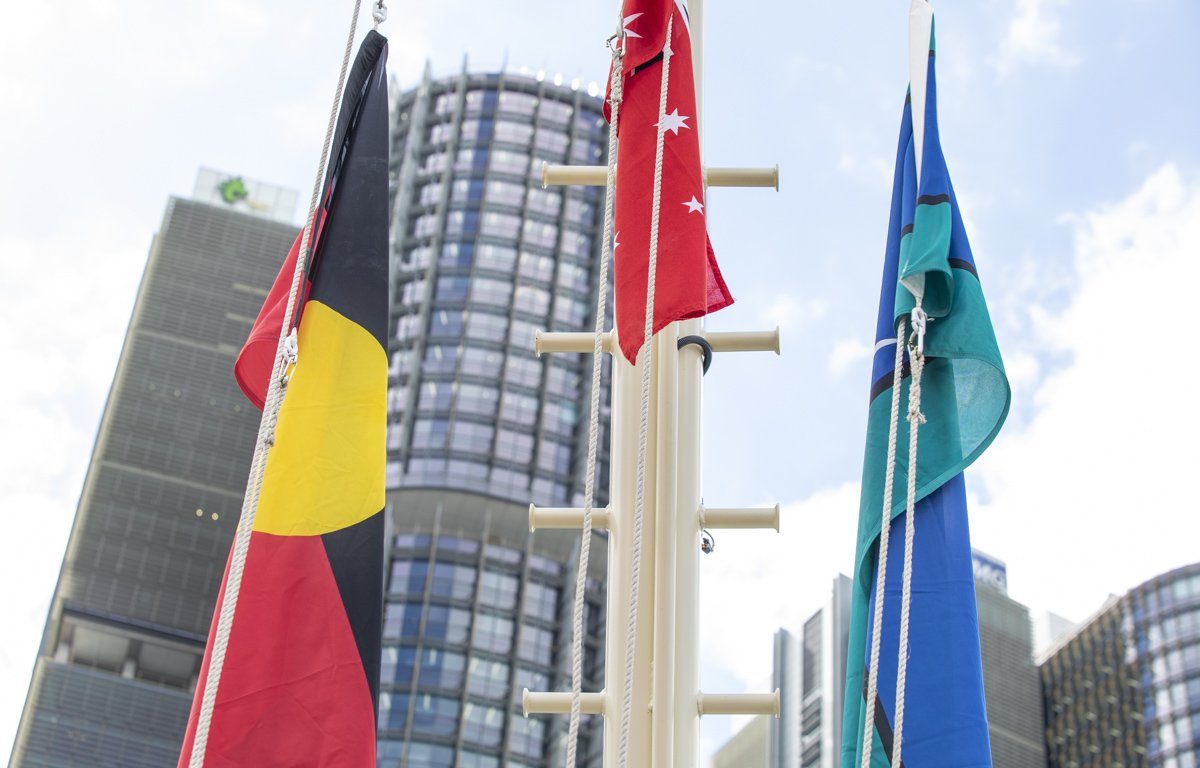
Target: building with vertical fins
(810,672)
(477,606)
(1123,689)
(123,642)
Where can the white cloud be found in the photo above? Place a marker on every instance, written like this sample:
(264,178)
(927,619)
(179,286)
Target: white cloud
(758,581)
(791,312)
(1033,38)
(1097,493)
(847,353)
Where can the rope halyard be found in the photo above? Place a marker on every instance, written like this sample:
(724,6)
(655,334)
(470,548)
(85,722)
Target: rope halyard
(644,427)
(285,360)
(589,483)
(881,564)
(916,354)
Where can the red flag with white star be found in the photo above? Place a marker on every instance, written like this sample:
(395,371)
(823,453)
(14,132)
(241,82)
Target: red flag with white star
(688,282)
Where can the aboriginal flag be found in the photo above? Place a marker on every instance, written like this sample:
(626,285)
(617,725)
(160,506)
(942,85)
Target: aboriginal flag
(299,683)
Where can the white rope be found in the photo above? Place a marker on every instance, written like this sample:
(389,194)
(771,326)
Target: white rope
(589,483)
(644,427)
(916,354)
(881,564)
(277,386)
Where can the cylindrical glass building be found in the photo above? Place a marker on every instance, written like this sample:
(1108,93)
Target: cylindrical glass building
(1124,687)
(478,607)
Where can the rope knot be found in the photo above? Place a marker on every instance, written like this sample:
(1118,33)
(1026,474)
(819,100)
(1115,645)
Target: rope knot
(915,416)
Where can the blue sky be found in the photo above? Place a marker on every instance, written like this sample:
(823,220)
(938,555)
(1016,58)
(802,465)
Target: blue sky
(1069,128)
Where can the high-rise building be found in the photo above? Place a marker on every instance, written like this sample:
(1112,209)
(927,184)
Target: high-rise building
(123,642)
(750,747)
(1123,689)
(478,607)
(1011,686)
(810,672)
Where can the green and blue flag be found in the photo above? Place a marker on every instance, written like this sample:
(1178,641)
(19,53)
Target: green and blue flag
(965,398)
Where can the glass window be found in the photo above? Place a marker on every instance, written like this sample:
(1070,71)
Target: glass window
(393,711)
(455,544)
(430,433)
(543,201)
(532,300)
(518,103)
(430,194)
(472,437)
(483,724)
(462,223)
(507,482)
(518,408)
(563,381)
(539,233)
(449,624)
(480,100)
(503,225)
(477,399)
(471,160)
(487,291)
(453,288)
(551,143)
(524,371)
(445,104)
(514,133)
(482,325)
(442,669)
(516,447)
(466,191)
(457,256)
(521,334)
(556,112)
(422,755)
(554,457)
(408,577)
(492,633)
(435,163)
(574,278)
(576,243)
(484,363)
(505,193)
(569,311)
(536,267)
(435,715)
(527,736)
(401,620)
(497,257)
(440,358)
(464,472)
(413,292)
(487,678)
(454,581)
(476,130)
(546,565)
(397,664)
(560,418)
(531,679)
(540,601)
(469,759)
(537,645)
(508,161)
(435,396)
(498,590)
(445,323)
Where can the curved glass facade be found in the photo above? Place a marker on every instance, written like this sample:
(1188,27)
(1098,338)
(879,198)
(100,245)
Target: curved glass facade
(477,607)
(1124,688)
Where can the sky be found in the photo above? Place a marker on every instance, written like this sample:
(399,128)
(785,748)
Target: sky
(1069,128)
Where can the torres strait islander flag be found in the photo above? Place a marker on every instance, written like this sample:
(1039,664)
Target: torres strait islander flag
(687,282)
(965,398)
(299,685)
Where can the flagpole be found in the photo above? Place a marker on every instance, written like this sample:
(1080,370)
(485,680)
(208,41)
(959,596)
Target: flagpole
(689,377)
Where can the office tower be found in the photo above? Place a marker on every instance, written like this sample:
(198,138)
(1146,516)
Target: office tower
(122,645)
(1123,689)
(477,606)
(1012,687)
(810,672)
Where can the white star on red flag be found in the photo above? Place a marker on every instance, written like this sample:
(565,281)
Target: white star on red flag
(694,205)
(625,25)
(673,122)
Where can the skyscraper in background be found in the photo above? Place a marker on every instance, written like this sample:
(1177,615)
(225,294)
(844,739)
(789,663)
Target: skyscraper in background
(810,672)
(123,641)
(1123,689)
(477,606)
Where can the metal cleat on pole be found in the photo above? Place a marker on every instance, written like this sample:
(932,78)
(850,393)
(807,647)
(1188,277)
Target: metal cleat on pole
(565,517)
(746,517)
(554,703)
(597,176)
(738,703)
(719,341)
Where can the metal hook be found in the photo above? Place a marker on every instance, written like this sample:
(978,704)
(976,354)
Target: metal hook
(708,542)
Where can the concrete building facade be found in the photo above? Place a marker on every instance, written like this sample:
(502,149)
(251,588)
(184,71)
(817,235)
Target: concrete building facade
(113,680)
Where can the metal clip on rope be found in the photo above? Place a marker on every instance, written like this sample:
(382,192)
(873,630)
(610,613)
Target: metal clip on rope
(379,13)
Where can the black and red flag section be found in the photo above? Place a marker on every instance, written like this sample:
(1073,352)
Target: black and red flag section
(300,680)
